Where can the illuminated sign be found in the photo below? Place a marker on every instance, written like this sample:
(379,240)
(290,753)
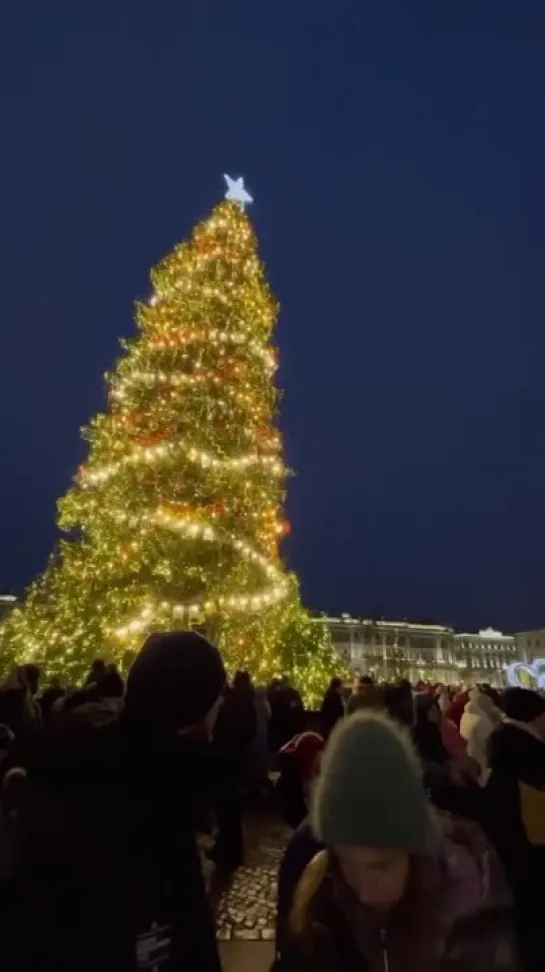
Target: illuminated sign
(523,675)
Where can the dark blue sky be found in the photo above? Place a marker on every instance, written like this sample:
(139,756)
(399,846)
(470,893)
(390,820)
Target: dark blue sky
(396,152)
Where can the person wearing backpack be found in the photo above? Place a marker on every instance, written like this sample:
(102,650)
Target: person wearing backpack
(104,872)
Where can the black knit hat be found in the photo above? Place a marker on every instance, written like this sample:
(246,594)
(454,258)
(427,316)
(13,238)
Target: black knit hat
(522,705)
(175,679)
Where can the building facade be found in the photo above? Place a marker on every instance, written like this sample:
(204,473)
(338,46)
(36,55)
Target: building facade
(485,656)
(427,652)
(531,645)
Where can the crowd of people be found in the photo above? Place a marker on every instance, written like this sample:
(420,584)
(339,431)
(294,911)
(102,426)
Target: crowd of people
(417,817)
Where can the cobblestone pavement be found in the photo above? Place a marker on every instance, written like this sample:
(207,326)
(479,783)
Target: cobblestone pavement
(246,906)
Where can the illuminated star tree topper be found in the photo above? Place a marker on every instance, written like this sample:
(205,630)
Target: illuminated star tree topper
(236,192)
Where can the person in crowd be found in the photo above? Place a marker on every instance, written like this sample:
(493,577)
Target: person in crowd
(332,708)
(31,674)
(479,720)
(48,698)
(273,728)
(96,672)
(97,703)
(515,800)
(453,742)
(18,707)
(259,757)
(450,792)
(235,732)
(297,762)
(388,891)
(398,701)
(492,692)
(426,733)
(457,706)
(451,782)
(287,713)
(443,698)
(366,695)
(105,867)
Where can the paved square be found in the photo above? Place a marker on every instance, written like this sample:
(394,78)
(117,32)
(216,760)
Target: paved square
(246,905)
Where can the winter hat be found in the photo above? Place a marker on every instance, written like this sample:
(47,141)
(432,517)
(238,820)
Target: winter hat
(522,705)
(305,749)
(370,792)
(175,679)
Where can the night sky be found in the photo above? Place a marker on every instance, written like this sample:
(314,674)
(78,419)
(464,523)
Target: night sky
(396,152)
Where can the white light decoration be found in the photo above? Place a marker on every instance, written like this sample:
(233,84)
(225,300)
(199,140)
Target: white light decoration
(274,591)
(236,192)
(534,672)
(256,602)
(137,375)
(149,455)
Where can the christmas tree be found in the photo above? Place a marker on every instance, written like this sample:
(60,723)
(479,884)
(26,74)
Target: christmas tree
(175,518)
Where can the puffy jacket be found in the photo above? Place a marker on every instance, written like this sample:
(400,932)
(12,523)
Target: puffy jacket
(450,896)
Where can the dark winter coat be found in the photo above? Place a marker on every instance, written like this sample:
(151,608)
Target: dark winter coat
(236,730)
(515,813)
(331,711)
(426,734)
(47,701)
(429,931)
(18,710)
(462,800)
(297,763)
(287,716)
(106,874)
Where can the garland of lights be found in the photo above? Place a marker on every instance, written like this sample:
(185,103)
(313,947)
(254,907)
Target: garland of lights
(138,376)
(205,531)
(155,453)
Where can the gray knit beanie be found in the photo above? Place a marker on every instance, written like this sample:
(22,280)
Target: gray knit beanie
(370,792)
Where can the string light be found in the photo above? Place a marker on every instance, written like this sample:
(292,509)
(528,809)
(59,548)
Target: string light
(155,453)
(201,530)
